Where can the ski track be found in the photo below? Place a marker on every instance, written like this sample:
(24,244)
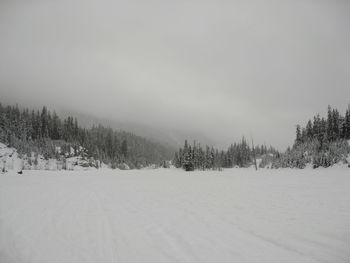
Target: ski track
(167,215)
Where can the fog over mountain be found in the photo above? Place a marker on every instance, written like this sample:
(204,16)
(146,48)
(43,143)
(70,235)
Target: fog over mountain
(211,70)
(173,137)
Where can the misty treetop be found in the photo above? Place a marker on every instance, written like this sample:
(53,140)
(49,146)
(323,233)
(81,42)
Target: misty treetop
(42,131)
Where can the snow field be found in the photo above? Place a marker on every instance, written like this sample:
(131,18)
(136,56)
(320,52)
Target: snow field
(168,215)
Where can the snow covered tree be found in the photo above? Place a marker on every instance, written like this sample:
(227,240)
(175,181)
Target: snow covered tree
(298,139)
(124,148)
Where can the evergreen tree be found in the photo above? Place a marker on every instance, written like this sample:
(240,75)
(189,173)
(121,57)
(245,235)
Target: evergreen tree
(124,148)
(298,139)
(330,122)
(347,124)
(44,123)
(309,130)
(188,160)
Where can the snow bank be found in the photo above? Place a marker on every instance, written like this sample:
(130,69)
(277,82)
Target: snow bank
(11,160)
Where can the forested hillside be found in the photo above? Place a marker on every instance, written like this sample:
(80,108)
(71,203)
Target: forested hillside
(322,142)
(44,132)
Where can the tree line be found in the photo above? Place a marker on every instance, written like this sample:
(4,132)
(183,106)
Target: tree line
(42,132)
(334,127)
(321,142)
(195,157)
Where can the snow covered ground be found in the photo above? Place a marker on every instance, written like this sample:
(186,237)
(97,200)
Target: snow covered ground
(168,215)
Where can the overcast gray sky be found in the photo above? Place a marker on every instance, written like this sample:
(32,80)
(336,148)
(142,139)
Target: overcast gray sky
(221,68)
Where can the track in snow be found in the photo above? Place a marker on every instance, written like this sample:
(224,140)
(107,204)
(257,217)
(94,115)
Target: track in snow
(238,215)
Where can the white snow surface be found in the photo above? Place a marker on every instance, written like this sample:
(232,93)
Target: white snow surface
(168,215)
